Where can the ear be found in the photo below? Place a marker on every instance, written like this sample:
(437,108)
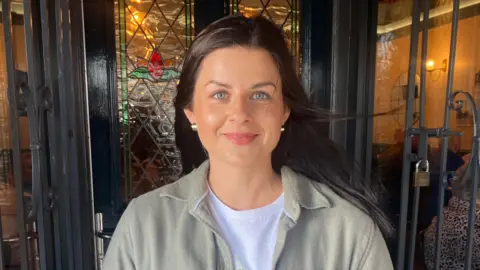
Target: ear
(286,114)
(190,115)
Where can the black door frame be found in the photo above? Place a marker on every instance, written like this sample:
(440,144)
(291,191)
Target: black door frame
(340,42)
(354,28)
(100,51)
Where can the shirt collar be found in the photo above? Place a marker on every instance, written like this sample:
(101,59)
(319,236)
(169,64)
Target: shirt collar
(299,191)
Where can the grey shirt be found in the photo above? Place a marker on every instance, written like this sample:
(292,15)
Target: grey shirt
(172,228)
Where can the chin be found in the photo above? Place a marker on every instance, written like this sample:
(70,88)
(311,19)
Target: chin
(242,159)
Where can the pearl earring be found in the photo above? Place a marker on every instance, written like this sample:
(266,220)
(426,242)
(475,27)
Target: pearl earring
(282,129)
(194,127)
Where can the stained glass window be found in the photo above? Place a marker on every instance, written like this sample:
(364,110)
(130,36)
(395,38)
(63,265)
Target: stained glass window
(284,13)
(152,38)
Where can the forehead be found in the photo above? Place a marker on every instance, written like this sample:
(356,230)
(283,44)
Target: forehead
(239,66)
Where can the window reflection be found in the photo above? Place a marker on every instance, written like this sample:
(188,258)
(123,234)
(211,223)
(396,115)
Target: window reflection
(392,62)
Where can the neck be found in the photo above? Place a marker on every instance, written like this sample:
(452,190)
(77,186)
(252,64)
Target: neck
(243,188)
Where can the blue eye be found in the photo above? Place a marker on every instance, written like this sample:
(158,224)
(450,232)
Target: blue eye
(260,95)
(220,95)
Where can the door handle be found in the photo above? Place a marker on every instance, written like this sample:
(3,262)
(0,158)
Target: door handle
(104,235)
(100,237)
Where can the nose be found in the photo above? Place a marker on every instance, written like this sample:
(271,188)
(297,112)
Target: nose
(239,111)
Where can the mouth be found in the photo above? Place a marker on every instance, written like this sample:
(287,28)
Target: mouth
(240,138)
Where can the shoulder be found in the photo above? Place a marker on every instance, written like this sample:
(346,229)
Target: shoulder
(351,230)
(189,187)
(168,197)
(343,208)
(341,227)
(315,195)
(339,216)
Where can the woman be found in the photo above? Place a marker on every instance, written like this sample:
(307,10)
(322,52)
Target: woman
(453,241)
(273,193)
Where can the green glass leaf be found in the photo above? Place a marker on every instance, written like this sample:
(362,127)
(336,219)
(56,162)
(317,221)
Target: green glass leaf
(140,73)
(169,74)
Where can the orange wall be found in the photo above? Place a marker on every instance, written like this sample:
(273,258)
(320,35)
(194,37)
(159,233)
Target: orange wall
(392,61)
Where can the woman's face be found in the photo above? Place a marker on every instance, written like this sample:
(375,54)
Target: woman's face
(238,105)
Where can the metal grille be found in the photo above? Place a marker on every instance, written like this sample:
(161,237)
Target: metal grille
(42,137)
(153,37)
(19,245)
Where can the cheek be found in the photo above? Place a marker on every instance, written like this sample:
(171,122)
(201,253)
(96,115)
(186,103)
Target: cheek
(210,118)
(271,120)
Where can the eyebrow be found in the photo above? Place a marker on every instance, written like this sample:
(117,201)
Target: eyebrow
(254,86)
(218,83)
(263,84)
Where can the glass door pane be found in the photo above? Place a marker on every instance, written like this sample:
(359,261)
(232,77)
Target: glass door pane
(152,38)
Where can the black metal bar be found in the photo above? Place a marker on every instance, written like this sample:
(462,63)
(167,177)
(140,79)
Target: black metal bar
(36,119)
(407,148)
(73,130)
(370,85)
(413,230)
(473,193)
(433,132)
(52,141)
(341,56)
(12,100)
(114,135)
(446,125)
(306,45)
(360,144)
(64,83)
(367,29)
(423,72)
(423,142)
(2,255)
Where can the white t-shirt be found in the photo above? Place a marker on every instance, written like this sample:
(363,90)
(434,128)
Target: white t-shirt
(250,234)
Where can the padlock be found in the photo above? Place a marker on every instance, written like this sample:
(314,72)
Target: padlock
(422,175)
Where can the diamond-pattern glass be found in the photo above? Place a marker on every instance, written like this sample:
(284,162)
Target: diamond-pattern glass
(152,38)
(284,13)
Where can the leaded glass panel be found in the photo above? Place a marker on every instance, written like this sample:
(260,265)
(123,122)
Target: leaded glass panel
(152,38)
(284,13)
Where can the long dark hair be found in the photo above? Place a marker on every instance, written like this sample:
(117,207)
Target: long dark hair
(304,146)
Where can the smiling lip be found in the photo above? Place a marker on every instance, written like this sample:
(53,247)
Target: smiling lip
(240,138)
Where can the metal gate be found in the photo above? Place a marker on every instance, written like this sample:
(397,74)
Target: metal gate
(46,101)
(469,179)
